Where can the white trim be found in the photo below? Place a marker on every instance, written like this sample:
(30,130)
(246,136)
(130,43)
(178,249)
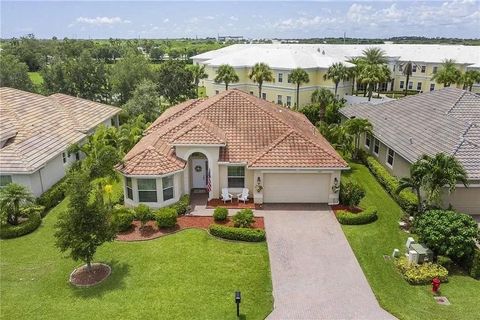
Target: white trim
(375,140)
(393,158)
(198,145)
(368,146)
(297,169)
(151,176)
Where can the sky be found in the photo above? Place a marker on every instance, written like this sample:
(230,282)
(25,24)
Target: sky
(268,19)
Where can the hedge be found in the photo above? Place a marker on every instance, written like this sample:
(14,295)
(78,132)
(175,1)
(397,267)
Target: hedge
(406,199)
(52,196)
(240,234)
(8,231)
(166,217)
(364,217)
(421,273)
(475,268)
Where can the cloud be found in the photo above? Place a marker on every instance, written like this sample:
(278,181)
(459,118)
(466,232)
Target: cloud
(101,21)
(304,22)
(166,20)
(233,18)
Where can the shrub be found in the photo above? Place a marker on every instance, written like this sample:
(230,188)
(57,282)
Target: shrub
(181,207)
(421,273)
(166,217)
(52,196)
(364,217)
(351,193)
(475,268)
(243,218)
(8,231)
(445,262)
(220,214)
(447,233)
(240,234)
(143,213)
(29,210)
(123,218)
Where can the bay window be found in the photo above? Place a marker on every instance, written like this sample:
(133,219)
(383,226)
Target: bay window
(147,190)
(167,186)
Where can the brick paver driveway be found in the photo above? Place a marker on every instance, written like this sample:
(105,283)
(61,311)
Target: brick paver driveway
(315,274)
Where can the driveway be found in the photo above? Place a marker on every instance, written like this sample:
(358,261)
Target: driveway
(315,274)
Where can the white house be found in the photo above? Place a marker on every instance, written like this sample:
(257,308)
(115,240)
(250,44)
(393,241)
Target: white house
(35,132)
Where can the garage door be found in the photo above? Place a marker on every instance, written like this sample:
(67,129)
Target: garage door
(296,187)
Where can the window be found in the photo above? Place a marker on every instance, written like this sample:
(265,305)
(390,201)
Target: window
(5,180)
(279,99)
(402,84)
(368,139)
(435,69)
(414,68)
(419,86)
(251,92)
(432,86)
(112,122)
(424,68)
(410,85)
(77,156)
(289,101)
(129,189)
(147,190)
(167,185)
(264,96)
(280,77)
(376,147)
(216,91)
(64,157)
(289,80)
(390,156)
(236,177)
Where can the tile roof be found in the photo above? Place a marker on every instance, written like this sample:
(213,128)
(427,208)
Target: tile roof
(38,128)
(446,120)
(248,126)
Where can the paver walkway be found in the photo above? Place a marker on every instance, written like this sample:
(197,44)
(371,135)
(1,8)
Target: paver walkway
(315,273)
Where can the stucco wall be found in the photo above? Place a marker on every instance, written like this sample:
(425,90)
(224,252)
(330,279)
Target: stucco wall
(463,199)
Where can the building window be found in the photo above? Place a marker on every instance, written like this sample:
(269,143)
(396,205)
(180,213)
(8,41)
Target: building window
(112,122)
(167,185)
(435,69)
(390,156)
(289,101)
(236,177)
(129,189)
(264,96)
(251,92)
(414,68)
(400,68)
(402,84)
(432,86)
(376,147)
(280,77)
(410,85)
(64,157)
(419,86)
(77,155)
(147,190)
(216,91)
(279,99)
(5,180)
(424,68)
(289,80)
(368,140)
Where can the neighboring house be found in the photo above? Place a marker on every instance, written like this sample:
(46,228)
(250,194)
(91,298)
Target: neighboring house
(316,58)
(232,140)
(446,120)
(35,132)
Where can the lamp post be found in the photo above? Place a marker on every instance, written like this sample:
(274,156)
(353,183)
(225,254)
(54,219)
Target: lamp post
(238,299)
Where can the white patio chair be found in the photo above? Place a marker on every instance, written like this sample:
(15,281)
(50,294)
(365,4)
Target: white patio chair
(243,196)
(226,196)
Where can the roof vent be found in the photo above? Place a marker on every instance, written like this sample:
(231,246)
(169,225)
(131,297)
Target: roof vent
(411,140)
(323,52)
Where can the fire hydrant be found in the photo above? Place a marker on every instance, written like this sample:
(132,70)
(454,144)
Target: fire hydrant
(435,285)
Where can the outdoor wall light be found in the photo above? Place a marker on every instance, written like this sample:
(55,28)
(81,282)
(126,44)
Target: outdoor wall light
(259,181)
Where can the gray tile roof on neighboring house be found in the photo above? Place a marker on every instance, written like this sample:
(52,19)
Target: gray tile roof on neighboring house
(446,120)
(38,128)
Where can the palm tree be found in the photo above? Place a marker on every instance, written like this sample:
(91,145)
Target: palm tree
(356,127)
(227,75)
(336,72)
(385,76)
(407,72)
(448,73)
(418,171)
(469,78)
(261,72)
(370,75)
(353,72)
(131,132)
(12,197)
(298,77)
(374,56)
(198,72)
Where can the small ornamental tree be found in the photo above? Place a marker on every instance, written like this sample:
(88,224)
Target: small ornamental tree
(351,193)
(12,197)
(85,225)
(448,233)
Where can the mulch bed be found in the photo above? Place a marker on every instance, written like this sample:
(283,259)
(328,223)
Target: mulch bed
(234,204)
(82,278)
(151,231)
(338,207)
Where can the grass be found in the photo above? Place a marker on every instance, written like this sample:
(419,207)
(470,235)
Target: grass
(188,275)
(36,78)
(370,242)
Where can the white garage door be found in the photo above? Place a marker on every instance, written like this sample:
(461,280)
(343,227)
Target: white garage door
(296,187)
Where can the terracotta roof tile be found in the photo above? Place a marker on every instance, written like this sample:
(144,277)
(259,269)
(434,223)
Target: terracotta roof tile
(200,131)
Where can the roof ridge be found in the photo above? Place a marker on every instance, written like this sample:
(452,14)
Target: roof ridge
(66,111)
(187,103)
(456,102)
(203,124)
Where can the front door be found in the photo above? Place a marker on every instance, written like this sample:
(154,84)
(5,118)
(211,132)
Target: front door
(199,173)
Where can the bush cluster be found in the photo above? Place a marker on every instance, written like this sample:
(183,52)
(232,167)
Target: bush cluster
(52,196)
(406,199)
(445,262)
(220,214)
(351,193)
(364,217)
(166,217)
(8,231)
(29,210)
(421,273)
(182,206)
(143,213)
(475,268)
(240,234)
(243,218)
(123,218)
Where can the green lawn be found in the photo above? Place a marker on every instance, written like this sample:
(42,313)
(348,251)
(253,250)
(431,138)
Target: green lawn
(36,78)
(371,242)
(188,275)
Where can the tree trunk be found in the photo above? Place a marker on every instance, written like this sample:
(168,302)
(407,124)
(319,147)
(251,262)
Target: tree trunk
(226,85)
(370,91)
(470,87)
(378,90)
(336,88)
(260,90)
(298,92)
(353,85)
(89,266)
(196,85)
(406,85)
